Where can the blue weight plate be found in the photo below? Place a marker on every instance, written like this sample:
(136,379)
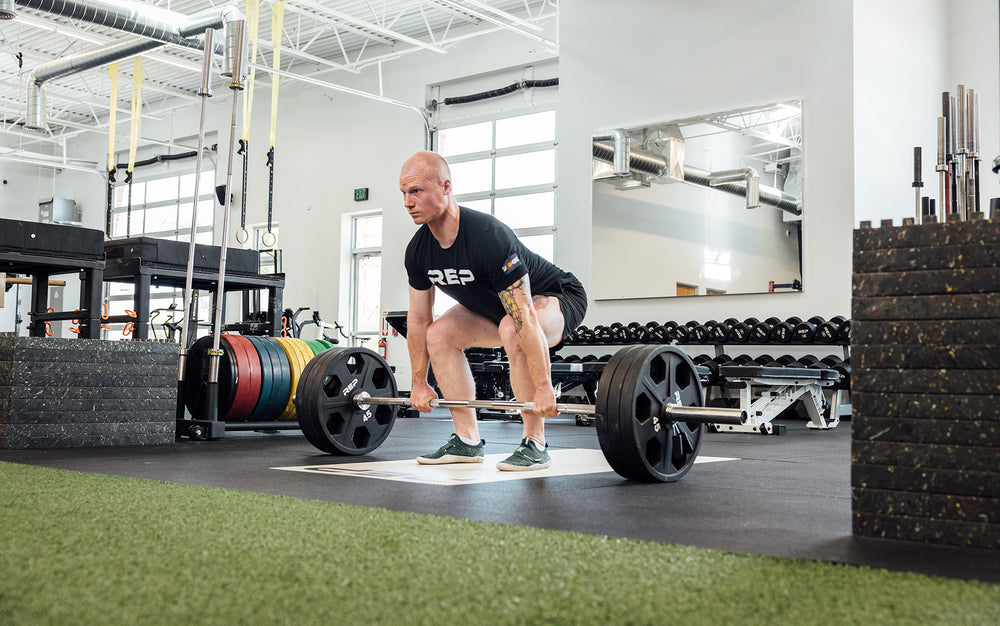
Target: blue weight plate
(281,387)
(267,379)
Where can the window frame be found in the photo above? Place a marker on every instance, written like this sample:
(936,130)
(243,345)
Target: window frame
(357,337)
(120,296)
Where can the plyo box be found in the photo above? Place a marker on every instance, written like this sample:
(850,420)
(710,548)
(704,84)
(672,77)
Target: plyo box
(58,393)
(925,454)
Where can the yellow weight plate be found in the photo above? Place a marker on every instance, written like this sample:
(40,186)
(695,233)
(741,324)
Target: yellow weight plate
(297,351)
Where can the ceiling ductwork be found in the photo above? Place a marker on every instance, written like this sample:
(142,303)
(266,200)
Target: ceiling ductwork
(7,10)
(154,26)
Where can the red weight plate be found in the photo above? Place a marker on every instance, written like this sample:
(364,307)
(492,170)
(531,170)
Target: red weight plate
(251,383)
(238,409)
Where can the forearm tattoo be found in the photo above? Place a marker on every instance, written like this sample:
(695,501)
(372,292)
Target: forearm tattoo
(510,303)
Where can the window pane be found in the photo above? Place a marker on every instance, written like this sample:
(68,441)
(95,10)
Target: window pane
(368,232)
(537,209)
(465,139)
(472,176)
(517,131)
(160,190)
(187,186)
(120,289)
(133,223)
(531,168)
(204,237)
(483,206)
(161,219)
(369,286)
(138,195)
(543,245)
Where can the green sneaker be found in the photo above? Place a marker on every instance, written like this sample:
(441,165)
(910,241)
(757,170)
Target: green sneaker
(528,456)
(455,451)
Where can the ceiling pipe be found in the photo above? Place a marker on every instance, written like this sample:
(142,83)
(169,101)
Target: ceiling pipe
(621,149)
(747,174)
(7,10)
(155,26)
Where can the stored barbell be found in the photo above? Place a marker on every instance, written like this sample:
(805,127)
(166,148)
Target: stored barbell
(649,413)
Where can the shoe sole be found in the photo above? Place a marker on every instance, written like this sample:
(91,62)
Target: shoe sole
(450,458)
(506,467)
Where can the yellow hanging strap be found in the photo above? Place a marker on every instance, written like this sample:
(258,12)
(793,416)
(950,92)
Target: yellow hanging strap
(133,136)
(136,113)
(253,26)
(277,19)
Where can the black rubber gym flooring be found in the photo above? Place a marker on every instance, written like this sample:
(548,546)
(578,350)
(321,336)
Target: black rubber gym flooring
(786,496)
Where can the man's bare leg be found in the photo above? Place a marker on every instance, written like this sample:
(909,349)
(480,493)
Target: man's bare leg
(550,318)
(447,338)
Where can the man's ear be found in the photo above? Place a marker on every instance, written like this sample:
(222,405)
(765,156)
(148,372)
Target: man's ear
(447,186)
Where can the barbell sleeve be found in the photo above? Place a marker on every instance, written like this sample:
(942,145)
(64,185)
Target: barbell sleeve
(676,412)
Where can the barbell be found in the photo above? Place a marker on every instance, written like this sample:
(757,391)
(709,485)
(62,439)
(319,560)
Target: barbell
(650,417)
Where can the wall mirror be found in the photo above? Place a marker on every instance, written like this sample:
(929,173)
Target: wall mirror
(708,205)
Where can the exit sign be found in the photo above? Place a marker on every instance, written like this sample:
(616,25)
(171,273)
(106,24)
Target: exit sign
(361,194)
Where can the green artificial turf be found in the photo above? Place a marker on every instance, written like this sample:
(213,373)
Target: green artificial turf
(81,548)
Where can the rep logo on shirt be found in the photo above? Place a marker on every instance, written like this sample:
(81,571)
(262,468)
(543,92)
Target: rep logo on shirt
(450,277)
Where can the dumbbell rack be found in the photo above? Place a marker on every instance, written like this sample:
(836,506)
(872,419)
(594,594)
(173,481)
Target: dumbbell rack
(764,392)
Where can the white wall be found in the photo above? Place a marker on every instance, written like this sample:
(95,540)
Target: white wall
(648,62)
(638,63)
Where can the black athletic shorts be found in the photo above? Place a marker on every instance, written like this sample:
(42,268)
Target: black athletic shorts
(572,302)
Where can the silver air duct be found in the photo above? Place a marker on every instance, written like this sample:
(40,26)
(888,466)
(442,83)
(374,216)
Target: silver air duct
(748,174)
(155,27)
(656,165)
(620,150)
(7,10)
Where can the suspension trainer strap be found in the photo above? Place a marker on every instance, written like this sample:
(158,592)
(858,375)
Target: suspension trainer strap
(113,105)
(133,135)
(277,21)
(253,28)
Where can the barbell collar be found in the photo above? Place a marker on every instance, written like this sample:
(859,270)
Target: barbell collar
(674,412)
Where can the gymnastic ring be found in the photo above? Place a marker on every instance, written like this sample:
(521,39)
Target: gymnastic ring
(268,239)
(242,235)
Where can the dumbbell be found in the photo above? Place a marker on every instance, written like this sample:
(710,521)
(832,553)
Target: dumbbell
(844,369)
(761,332)
(844,334)
(637,333)
(804,361)
(827,331)
(763,359)
(740,332)
(805,332)
(718,332)
(679,333)
(698,333)
(782,332)
(585,335)
(619,334)
(782,361)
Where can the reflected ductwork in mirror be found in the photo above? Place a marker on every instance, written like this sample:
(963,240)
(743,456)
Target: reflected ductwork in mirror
(638,167)
(691,235)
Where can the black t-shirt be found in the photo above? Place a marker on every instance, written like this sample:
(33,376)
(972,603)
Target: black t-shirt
(485,259)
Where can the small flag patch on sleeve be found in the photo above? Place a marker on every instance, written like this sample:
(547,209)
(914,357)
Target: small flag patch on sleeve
(511,262)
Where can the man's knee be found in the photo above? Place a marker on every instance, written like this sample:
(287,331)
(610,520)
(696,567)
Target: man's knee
(438,336)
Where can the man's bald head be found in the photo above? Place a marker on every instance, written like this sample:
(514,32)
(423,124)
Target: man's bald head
(428,164)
